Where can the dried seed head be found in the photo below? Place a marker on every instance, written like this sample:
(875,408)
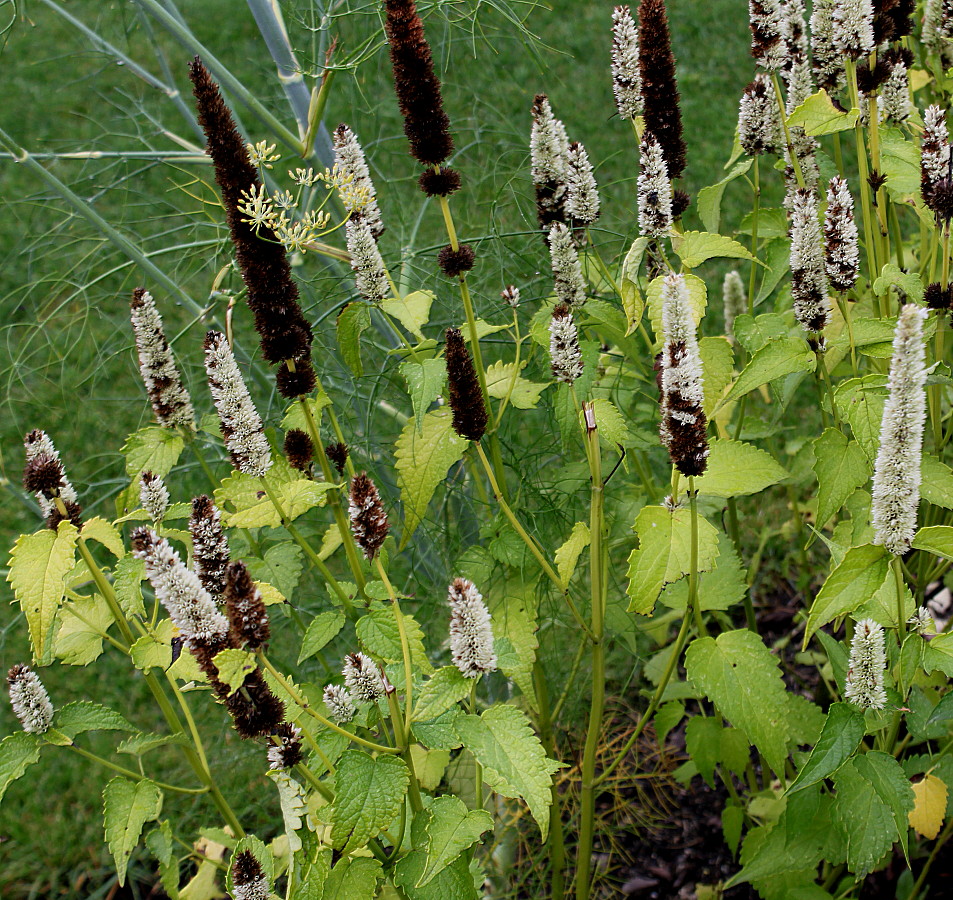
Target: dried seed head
(466,397)
(245,607)
(564,352)
(30,701)
(735,301)
(684,426)
(418,88)
(153,495)
(210,551)
(809,285)
(569,285)
(626,76)
(337,454)
(179,590)
(471,634)
(255,710)
(337,699)
(759,121)
(655,190)
(767,22)
(549,156)
(938,297)
(368,520)
(350,160)
(297,382)
(248,878)
(299,450)
(893,20)
(286,752)
(441,183)
(853,27)
(865,668)
(363,679)
(456,263)
(841,254)
(370,275)
(663,117)
(169,398)
(239,420)
(896,486)
(582,195)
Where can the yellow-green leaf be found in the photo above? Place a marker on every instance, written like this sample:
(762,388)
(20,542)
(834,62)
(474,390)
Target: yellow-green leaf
(929,806)
(503,380)
(101,531)
(82,623)
(233,667)
(128,805)
(152,449)
(694,247)
(737,469)
(817,115)
(412,311)
(568,554)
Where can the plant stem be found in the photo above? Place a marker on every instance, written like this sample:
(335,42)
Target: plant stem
(404,646)
(693,572)
(556,842)
(403,742)
(756,188)
(792,156)
(898,580)
(129,773)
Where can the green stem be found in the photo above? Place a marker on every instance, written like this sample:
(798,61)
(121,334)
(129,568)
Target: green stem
(404,646)
(556,844)
(129,773)
(693,572)
(403,742)
(792,156)
(756,188)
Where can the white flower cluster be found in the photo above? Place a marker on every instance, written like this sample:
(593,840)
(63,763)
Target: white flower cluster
(289,742)
(567,272)
(853,27)
(896,487)
(865,668)
(564,352)
(170,400)
(922,621)
(759,120)
(178,589)
(626,75)
(809,285)
(471,633)
(582,193)
(30,701)
(363,679)
(349,158)
(210,550)
(254,889)
(827,61)
(934,146)
(735,301)
(338,701)
(153,495)
(682,372)
(654,190)
(370,276)
(768,27)
(241,424)
(38,444)
(842,256)
(548,145)
(893,101)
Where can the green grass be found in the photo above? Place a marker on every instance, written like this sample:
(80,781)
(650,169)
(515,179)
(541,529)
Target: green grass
(65,356)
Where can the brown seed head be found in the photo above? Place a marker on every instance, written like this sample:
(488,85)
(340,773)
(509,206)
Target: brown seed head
(368,520)
(466,398)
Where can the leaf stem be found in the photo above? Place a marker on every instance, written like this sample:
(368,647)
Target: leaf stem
(129,773)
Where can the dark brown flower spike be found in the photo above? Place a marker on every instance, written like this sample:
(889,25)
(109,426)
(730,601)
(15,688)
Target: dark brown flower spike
(248,877)
(245,607)
(368,520)
(466,398)
(337,454)
(663,117)
(210,552)
(440,183)
(45,476)
(299,449)
(272,294)
(454,263)
(418,88)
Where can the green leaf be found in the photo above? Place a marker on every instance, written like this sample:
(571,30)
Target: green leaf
(900,162)
(451,829)
(633,303)
(412,311)
(368,793)
(844,729)
(709,198)
(128,576)
(567,555)
(128,805)
(293,806)
(936,539)
(817,115)
(295,417)
(612,426)
(99,530)
(664,553)
(18,751)
(440,733)
(774,360)
(162,845)
(156,651)
(84,715)
(852,583)
(444,688)
(323,628)
(352,878)
(454,882)
(245,504)
(353,320)
(152,449)
(718,362)
(694,247)
(737,469)
(721,588)
(753,332)
(841,468)
(423,459)
(741,677)
(143,743)
(39,564)
(861,402)
(514,613)
(936,482)
(378,633)
(514,762)
(503,380)
(82,622)
(709,744)
(697,295)
(425,382)
(234,667)
(938,654)
(281,567)
(871,807)
(909,282)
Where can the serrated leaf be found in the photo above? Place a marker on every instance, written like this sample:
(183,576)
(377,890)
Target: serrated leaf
(352,878)
(843,730)
(774,360)
(234,667)
(720,588)
(353,321)
(83,715)
(162,845)
(852,583)
(99,530)
(514,614)
(909,282)
(423,459)
(82,622)
(368,794)
(694,247)
(322,629)
(127,806)
(841,468)
(281,567)
(737,469)
(18,751)
(295,417)
(753,332)
(633,303)
(440,733)
(39,564)
(871,808)
(718,361)
(128,576)
(612,426)
(817,115)
(741,677)
(567,555)
(155,650)
(936,539)
(378,633)
(451,829)
(425,382)
(861,402)
(514,762)
(412,311)
(293,806)
(709,198)
(503,380)
(143,743)
(929,806)
(710,744)
(152,449)
(664,553)
(697,296)
(936,482)
(938,654)
(245,504)
(429,766)
(444,688)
